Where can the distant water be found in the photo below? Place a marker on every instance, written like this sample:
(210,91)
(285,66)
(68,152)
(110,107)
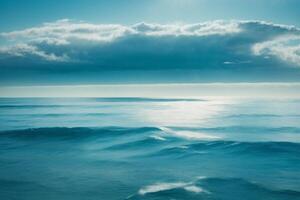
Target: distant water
(138,148)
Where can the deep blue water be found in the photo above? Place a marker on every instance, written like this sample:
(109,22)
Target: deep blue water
(138,148)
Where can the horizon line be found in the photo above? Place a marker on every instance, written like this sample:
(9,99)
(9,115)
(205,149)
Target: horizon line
(161,90)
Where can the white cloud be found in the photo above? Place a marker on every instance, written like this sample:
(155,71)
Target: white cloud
(64,31)
(103,44)
(200,29)
(285,47)
(22,50)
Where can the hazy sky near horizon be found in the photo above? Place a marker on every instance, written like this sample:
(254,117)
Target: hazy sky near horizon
(203,90)
(159,41)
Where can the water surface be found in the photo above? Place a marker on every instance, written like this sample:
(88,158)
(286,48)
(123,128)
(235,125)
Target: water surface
(141,148)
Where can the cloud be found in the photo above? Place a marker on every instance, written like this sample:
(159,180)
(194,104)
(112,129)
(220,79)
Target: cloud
(215,50)
(286,48)
(23,50)
(64,31)
(200,29)
(60,39)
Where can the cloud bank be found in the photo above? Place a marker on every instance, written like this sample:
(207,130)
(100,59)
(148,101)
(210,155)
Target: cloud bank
(221,50)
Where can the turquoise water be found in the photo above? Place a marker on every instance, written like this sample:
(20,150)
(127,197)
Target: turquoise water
(139,148)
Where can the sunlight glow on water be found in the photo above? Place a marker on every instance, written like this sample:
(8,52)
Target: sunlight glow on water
(183,113)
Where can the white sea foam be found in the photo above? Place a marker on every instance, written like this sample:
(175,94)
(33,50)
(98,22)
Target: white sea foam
(190,135)
(190,187)
(161,187)
(200,152)
(193,188)
(234,144)
(157,137)
(183,147)
(200,177)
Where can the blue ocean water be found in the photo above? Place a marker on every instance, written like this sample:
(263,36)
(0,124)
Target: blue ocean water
(141,148)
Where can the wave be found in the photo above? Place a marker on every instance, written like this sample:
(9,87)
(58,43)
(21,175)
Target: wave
(170,142)
(213,188)
(241,129)
(140,99)
(117,155)
(285,149)
(191,135)
(138,144)
(36,106)
(155,133)
(82,102)
(159,187)
(157,137)
(77,132)
(259,116)
(58,115)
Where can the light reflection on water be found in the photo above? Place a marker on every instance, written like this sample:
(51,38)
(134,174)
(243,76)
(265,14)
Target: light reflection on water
(237,115)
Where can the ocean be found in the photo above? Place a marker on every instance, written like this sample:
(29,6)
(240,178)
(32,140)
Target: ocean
(149,148)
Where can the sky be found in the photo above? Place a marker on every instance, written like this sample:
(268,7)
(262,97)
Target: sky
(84,42)
(192,90)
(19,14)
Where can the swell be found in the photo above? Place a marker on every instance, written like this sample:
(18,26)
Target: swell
(286,150)
(225,186)
(57,115)
(147,137)
(260,115)
(83,130)
(139,99)
(74,133)
(213,188)
(86,102)
(36,106)
(138,144)
(243,129)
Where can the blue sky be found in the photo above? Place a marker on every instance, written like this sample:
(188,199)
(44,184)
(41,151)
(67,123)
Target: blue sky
(16,14)
(160,41)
